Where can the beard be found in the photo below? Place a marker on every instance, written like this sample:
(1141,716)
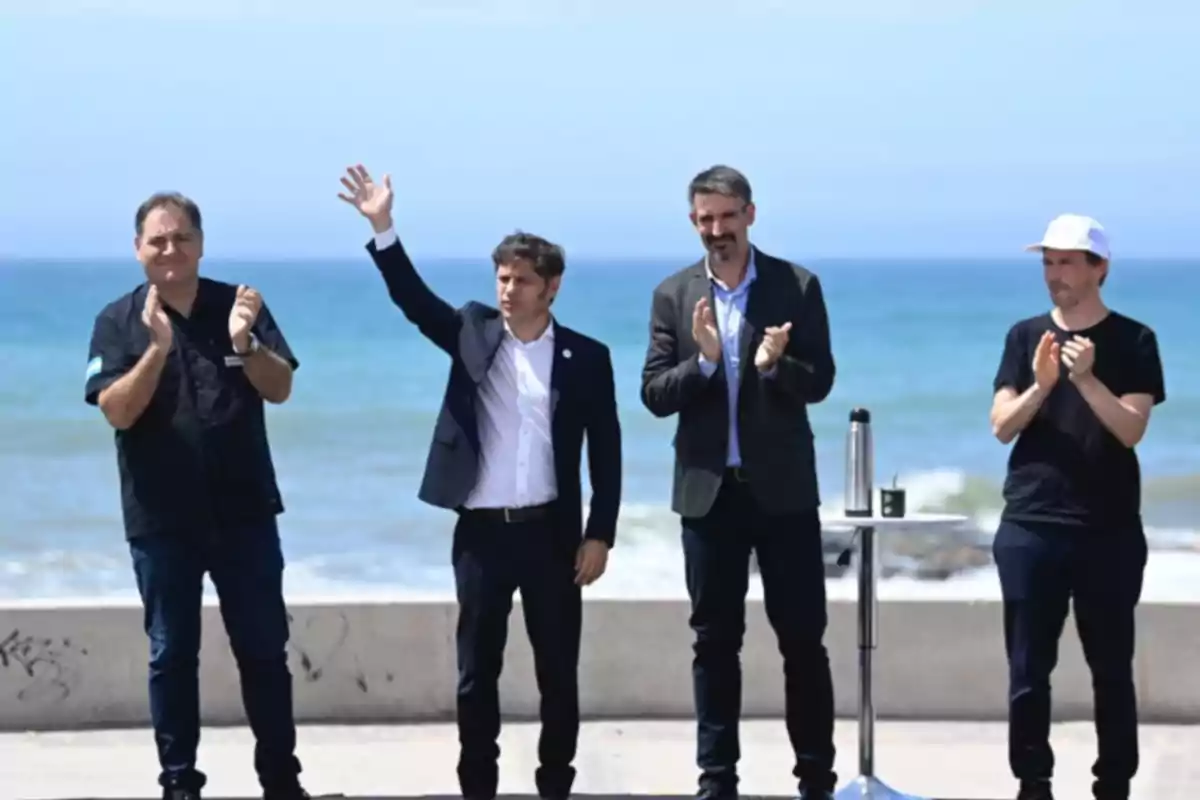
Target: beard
(721,248)
(1063,295)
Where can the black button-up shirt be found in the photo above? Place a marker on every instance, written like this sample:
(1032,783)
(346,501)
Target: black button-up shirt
(197,461)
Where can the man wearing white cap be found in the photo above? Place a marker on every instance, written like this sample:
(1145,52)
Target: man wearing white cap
(1074,389)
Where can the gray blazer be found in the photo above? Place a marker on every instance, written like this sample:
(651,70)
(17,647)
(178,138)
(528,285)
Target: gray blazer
(775,438)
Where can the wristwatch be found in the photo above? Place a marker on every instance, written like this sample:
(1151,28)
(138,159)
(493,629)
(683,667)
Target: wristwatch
(254,347)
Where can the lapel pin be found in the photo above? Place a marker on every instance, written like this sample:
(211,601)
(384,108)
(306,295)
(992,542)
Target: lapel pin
(566,353)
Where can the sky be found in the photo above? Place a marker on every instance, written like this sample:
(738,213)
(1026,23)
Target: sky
(867,128)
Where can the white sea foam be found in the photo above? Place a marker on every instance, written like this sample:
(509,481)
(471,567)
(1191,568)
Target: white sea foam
(652,569)
(658,575)
(647,561)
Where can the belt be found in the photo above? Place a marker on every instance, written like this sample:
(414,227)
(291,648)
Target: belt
(509,515)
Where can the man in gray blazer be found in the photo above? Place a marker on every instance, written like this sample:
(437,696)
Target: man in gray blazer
(739,346)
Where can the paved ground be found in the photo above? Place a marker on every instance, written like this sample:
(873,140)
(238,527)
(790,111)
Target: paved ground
(939,760)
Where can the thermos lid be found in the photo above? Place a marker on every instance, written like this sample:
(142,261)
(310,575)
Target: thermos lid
(860,415)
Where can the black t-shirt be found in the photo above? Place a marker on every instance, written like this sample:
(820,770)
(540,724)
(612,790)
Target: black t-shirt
(1066,467)
(197,460)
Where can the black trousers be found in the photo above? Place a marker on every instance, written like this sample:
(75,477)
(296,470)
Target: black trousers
(246,568)
(1042,569)
(717,551)
(493,560)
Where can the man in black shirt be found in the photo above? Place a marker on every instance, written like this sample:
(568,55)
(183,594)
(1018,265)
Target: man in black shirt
(1075,388)
(180,367)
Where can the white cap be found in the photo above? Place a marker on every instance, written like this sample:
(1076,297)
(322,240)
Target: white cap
(1074,232)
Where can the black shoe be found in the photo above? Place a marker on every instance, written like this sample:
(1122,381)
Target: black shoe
(1035,790)
(814,794)
(181,794)
(290,793)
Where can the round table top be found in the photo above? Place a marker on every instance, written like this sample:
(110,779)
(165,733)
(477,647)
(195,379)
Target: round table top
(918,518)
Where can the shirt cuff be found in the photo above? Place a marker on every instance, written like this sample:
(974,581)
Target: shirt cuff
(707,367)
(771,371)
(386,239)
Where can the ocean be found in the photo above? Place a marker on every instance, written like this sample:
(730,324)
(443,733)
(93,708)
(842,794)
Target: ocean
(916,342)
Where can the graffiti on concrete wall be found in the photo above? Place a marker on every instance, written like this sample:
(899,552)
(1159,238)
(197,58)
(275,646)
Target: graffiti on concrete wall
(43,668)
(320,646)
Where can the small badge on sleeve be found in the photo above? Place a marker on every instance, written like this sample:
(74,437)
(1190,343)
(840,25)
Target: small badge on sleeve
(93,368)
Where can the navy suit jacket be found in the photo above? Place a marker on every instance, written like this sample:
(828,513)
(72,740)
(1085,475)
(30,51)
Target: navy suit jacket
(582,400)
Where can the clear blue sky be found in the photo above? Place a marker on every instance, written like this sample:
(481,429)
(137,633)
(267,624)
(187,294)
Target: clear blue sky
(867,127)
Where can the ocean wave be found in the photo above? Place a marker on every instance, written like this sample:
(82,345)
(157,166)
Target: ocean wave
(1170,507)
(647,560)
(653,572)
(1170,504)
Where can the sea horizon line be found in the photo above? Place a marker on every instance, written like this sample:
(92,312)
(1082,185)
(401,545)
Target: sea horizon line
(592,259)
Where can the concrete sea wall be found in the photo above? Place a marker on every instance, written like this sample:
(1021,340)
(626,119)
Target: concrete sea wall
(83,664)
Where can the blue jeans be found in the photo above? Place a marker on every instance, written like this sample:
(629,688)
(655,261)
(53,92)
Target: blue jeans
(246,567)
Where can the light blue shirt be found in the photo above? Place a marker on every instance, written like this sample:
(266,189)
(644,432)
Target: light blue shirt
(729,308)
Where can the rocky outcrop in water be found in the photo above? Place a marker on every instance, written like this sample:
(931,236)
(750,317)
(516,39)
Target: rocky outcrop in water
(913,552)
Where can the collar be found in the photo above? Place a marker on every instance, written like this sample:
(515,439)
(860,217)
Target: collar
(751,273)
(546,337)
(203,298)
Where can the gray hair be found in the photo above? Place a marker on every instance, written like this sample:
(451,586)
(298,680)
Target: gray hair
(723,180)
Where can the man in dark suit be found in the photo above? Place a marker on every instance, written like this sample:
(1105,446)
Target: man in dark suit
(739,346)
(522,392)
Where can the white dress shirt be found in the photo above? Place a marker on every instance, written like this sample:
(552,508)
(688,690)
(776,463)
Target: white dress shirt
(516,458)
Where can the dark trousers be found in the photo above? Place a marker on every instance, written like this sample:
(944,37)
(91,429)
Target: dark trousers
(493,560)
(717,551)
(246,568)
(1042,568)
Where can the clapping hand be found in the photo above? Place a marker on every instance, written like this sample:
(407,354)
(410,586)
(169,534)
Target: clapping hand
(1046,362)
(246,306)
(373,200)
(156,319)
(1079,354)
(704,330)
(771,347)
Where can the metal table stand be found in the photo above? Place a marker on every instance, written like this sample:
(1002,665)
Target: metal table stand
(867,786)
(860,516)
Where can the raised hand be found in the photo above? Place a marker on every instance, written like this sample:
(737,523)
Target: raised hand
(774,341)
(1045,362)
(373,200)
(704,330)
(1079,354)
(246,305)
(156,319)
